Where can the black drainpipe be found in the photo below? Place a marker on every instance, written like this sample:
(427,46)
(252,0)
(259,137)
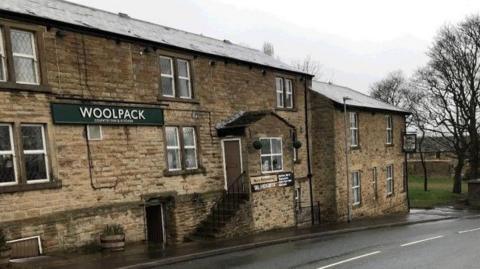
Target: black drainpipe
(309,166)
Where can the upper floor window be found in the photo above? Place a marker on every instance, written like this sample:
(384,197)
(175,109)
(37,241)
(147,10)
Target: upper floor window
(389,130)
(175,78)
(26,163)
(19,54)
(271,155)
(284,92)
(353,129)
(181,145)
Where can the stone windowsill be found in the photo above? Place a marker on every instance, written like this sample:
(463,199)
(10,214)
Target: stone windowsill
(26,87)
(286,109)
(179,100)
(31,187)
(199,170)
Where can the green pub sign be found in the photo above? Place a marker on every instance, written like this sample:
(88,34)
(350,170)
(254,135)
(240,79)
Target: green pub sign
(106,115)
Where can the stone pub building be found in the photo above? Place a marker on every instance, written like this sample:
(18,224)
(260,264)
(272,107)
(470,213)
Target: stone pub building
(105,119)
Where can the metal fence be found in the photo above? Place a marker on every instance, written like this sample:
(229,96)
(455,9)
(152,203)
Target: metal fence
(303,214)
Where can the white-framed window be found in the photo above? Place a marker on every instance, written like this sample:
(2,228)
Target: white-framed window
(356,193)
(353,129)
(8,167)
(288,93)
(184,84)
(173,149)
(271,154)
(3,67)
(94,132)
(35,152)
(389,179)
(167,76)
(279,92)
(389,130)
(284,92)
(24,53)
(190,148)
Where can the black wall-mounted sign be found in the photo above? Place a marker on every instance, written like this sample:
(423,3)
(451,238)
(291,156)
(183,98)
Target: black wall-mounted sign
(106,115)
(282,180)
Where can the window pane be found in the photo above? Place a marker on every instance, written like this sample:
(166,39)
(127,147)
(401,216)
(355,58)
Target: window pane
(3,72)
(266,164)
(190,159)
(279,99)
(288,86)
(166,66)
(188,136)
(7,170)
(279,84)
(22,42)
(184,88)
(277,163)
(173,156)
(32,138)
(2,67)
(25,69)
(182,68)
(167,86)
(289,100)
(356,195)
(276,146)
(172,136)
(35,166)
(265,146)
(5,138)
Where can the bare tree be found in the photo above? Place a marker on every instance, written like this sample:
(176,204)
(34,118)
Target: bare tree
(452,79)
(268,49)
(392,89)
(309,66)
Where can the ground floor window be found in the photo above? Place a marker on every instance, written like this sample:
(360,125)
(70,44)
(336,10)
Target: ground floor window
(181,144)
(271,155)
(26,162)
(356,187)
(389,179)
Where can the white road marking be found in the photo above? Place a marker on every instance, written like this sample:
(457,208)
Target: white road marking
(349,260)
(420,241)
(467,231)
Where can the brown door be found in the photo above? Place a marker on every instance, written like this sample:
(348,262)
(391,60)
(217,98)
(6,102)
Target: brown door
(233,161)
(154,223)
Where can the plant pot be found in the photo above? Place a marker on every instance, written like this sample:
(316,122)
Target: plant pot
(5,256)
(113,242)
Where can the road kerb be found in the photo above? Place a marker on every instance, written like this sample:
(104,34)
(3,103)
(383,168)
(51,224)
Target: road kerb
(247,246)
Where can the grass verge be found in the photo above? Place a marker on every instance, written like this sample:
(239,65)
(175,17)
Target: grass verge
(439,192)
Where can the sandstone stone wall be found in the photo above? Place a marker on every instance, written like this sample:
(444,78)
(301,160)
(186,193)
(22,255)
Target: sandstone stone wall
(129,163)
(329,167)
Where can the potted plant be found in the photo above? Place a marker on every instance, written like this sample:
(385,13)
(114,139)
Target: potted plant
(113,238)
(5,250)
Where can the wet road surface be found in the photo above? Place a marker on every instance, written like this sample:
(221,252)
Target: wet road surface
(443,244)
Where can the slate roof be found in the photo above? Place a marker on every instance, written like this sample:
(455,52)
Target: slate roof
(122,24)
(244,119)
(357,99)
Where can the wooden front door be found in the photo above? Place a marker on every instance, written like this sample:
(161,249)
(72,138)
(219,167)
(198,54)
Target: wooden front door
(233,161)
(155,225)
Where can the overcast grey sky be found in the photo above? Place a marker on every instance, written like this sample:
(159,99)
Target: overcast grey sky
(356,42)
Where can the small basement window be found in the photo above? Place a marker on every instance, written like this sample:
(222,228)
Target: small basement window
(94,132)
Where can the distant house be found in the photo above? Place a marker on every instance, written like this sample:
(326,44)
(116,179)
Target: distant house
(375,158)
